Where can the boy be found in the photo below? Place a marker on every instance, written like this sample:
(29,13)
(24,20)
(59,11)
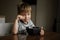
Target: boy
(23,19)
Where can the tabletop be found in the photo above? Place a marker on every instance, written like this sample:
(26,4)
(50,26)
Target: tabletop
(47,36)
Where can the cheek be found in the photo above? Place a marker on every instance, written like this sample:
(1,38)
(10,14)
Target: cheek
(29,17)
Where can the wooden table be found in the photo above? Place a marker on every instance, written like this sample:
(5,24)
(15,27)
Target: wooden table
(47,36)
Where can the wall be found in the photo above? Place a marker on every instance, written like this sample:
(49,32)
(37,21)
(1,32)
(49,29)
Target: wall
(58,17)
(46,12)
(34,14)
(8,9)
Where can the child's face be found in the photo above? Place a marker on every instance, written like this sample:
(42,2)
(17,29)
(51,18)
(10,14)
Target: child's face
(26,14)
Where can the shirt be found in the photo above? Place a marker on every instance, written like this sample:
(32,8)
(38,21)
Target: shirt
(22,26)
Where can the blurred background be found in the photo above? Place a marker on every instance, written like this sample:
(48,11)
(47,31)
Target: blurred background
(45,13)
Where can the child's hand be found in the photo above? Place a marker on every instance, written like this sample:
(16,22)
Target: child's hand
(42,31)
(20,17)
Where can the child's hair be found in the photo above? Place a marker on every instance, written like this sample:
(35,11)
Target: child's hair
(21,7)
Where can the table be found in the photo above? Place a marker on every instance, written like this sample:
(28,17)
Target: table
(47,36)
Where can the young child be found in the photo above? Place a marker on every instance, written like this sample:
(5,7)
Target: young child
(23,18)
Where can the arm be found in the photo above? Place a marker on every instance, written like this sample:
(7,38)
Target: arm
(15,26)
